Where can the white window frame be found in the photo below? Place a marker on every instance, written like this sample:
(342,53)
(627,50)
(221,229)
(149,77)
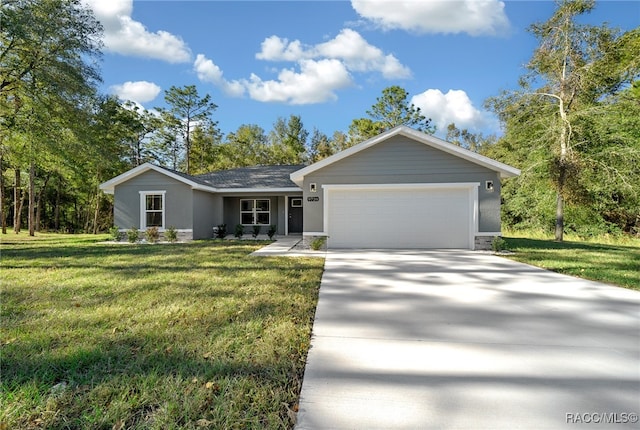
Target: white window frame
(296,202)
(254,211)
(143,207)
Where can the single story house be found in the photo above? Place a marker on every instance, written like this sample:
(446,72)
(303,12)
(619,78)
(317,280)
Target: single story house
(400,189)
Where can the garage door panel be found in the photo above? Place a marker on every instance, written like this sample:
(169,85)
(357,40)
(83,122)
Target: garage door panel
(399,218)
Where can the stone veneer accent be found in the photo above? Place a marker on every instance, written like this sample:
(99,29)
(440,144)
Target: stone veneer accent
(483,243)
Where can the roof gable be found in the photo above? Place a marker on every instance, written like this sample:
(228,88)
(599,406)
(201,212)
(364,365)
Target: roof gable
(259,178)
(109,186)
(431,141)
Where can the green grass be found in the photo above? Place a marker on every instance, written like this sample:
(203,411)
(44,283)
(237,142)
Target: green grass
(120,336)
(613,260)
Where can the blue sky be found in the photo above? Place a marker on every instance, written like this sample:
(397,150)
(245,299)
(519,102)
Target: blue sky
(327,61)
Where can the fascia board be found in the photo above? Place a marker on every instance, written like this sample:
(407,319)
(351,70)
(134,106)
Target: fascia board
(259,190)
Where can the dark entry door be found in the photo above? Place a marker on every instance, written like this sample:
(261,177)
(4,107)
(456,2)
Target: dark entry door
(295,215)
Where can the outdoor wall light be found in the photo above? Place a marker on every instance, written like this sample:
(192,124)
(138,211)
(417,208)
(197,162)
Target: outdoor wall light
(312,187)
(488,185)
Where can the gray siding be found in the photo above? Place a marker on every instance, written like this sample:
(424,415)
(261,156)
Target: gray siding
(178,200)
(401,160)
(207,213)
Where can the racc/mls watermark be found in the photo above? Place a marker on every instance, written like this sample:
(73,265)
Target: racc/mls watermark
(601,417)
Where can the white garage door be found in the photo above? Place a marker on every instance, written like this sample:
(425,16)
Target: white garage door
(399,217)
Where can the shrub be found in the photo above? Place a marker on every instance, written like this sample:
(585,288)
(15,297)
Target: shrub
(318,243)
(239,232)
(152,234)
(114,232)
(498,244)
(132,235)
(222,231)
(255,231)
(171,234)
(272,231)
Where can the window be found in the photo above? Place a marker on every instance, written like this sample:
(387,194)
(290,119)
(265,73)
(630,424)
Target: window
(255,211)
(152,209)
(296,203)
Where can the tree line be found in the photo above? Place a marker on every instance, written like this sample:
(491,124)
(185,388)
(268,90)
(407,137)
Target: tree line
(573,126)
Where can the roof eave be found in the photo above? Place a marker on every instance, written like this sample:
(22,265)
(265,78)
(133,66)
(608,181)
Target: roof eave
(260,190)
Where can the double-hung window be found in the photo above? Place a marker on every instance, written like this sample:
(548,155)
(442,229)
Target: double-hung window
(255,212)
(152,209)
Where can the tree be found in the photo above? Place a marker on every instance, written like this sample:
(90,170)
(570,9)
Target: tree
(611,183)
(247,146)
(167,140)
(568,74)
(320,147)
(475,142)
(390,110)
(362,129)
(205,149)
(323,146)
(47,54)
(188,109)
(138,125)
(288,141)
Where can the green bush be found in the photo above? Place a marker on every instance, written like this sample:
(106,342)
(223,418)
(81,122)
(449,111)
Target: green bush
(171,234)
(132,235)
(114,232)
(222,231)
(152,234)
(498,244)
(255,231)
(318,243)
(272,231)
(239,232)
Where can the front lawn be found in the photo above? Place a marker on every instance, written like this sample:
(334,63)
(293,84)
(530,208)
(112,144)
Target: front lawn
(119,336)
(613,261)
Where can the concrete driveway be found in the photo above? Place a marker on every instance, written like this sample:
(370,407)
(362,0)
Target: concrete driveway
(461,339)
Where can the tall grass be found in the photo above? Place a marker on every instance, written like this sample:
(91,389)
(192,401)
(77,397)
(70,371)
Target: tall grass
(194,335)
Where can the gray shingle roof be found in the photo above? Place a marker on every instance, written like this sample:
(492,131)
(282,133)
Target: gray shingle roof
(188,177)
(251,177)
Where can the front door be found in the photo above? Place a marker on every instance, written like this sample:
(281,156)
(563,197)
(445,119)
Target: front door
(295,215)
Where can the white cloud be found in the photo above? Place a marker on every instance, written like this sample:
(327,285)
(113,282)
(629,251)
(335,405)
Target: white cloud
(358,55)
(349,47)
(316,83)
(138,92)
(208,71)
(125,36)
(276,49)
(320,70)
(475,17)
(454,106)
